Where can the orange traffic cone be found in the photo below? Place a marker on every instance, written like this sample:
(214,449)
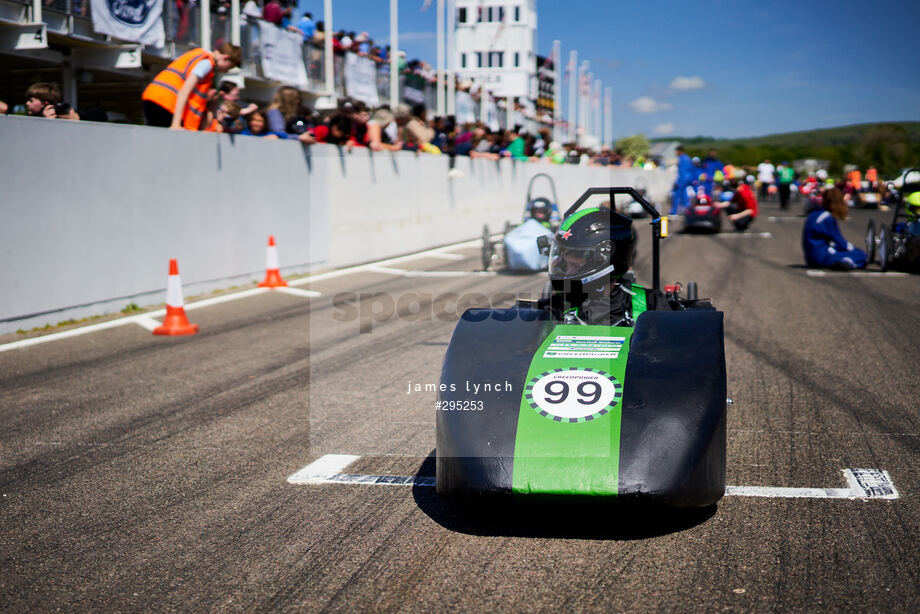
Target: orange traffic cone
(175,322)
(273,277)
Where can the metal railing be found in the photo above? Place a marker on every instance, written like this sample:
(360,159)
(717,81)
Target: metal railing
(182,26)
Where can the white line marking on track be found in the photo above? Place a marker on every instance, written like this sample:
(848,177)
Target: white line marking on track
(146,322)
(142,319)
(774,218)
(383,263)
(405,273)
(823,273)
(450,273)
(386,270)
(74,332)
(145,317)
(863,483)
(299,292)
(789,493)
(322,468)
(446,256)
(224,298)
(745,235)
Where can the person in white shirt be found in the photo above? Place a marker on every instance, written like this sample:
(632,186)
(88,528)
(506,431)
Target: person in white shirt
(765,174)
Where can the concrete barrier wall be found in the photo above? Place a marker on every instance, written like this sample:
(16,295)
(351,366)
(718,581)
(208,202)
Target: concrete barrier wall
(92,213)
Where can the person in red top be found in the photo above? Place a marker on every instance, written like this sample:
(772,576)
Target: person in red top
(742,209)
(336,131)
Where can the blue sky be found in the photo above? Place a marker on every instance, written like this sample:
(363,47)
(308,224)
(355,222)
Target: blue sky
(723,68)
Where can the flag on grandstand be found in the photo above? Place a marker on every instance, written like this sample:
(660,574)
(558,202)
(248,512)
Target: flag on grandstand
(140,21)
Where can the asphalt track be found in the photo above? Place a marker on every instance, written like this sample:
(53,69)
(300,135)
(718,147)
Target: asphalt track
(140,473)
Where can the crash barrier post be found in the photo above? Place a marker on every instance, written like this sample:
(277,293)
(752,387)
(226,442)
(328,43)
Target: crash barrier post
(175,322)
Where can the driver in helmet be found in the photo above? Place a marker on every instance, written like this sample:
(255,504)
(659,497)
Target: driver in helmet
(912,208)
(590,256)
(543,211)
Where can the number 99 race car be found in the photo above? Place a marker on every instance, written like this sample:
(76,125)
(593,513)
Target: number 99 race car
(539,401)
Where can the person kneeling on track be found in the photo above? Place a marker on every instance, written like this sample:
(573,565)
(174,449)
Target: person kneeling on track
(823,243)
(742,208)
(589,259)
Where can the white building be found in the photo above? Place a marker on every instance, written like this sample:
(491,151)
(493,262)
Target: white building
(496,45)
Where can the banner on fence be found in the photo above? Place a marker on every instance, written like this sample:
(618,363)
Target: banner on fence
(140,21)
(361,79)
(282,55)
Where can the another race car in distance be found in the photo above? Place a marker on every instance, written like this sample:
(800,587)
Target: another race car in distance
(517,249)
(537,404)
(702,216)
(898,246)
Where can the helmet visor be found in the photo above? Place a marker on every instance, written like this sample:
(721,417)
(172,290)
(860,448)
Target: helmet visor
(578,262)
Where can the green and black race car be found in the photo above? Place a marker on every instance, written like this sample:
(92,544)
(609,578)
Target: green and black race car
(540,402)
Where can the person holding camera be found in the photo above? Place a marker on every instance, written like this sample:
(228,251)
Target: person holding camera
(43,99)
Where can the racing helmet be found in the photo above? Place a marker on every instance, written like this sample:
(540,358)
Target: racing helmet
(912,205)
(541,209)
(702,198)
(592,246)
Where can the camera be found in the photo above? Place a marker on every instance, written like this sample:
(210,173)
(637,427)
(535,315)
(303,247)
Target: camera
(62,108)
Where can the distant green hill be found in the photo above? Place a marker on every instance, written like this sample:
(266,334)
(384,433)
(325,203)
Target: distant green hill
(888,146)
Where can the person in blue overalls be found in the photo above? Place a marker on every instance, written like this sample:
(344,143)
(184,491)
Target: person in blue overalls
(823,243)
(685,176)
(711,166)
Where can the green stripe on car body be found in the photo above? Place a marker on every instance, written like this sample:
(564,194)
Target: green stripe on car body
(553,456)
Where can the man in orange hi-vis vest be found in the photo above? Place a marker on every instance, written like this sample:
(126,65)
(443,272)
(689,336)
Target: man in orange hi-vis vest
(178,97)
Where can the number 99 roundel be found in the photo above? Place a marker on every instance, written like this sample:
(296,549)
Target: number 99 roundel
(573,395)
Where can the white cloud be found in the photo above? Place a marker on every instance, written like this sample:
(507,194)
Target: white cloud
(666,128)
(648,105)
(687,83)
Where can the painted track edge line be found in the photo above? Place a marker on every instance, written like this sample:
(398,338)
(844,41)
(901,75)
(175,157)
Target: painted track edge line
(146,322)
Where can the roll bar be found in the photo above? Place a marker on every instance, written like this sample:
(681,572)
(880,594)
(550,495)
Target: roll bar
(552,185)
(656,220)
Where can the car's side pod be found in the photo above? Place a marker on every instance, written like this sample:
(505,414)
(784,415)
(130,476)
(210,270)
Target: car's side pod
(494,347)
(672,439)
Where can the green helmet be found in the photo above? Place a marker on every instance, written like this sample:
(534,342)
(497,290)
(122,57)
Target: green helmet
(912,204)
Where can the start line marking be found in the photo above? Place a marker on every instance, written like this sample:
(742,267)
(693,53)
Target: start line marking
(862,483)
